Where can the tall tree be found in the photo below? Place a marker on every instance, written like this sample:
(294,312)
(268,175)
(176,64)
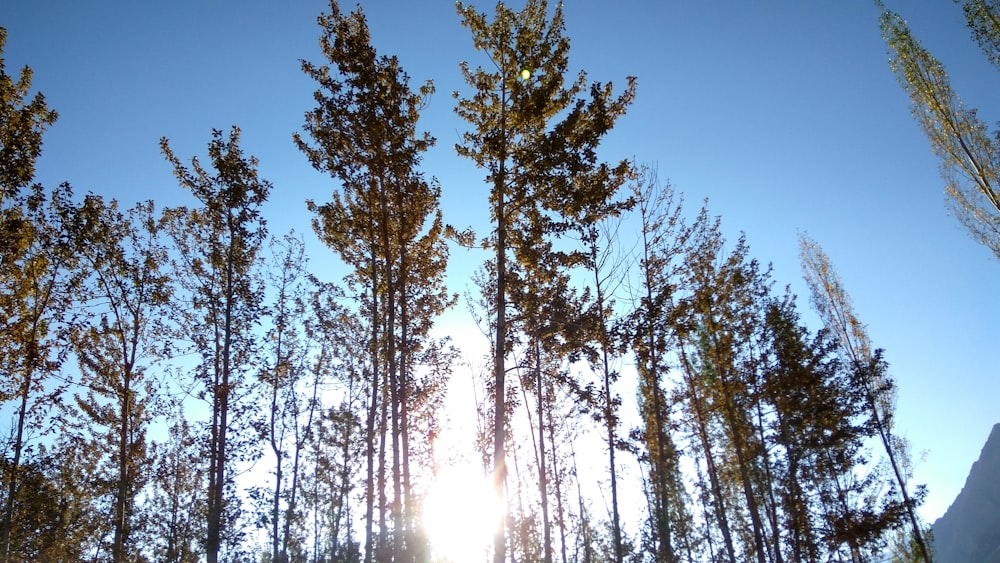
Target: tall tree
(218,248)
(130,292)
(385,224)
(59,516)
(833,304)
(39,280)
(969,153)
(819,431)
(283,371)
(598,227)
(23,121)
(663,236)
(719,331)
(532,131)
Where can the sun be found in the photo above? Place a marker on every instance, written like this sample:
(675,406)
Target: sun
(460,515)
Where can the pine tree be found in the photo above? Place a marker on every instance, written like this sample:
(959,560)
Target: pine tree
(218,245)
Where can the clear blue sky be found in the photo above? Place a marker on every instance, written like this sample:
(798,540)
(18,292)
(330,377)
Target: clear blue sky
(783,113)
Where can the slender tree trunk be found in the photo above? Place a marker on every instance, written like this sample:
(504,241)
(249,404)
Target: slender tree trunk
(705,510)
(558,484)
(610,418)
(222,393)
(118,553)
(542,475)
(344,486)
(739,442)
(500,347)
(772,507)
(370,434)
(800,530)
(15,464)
(300,442)
(661,493)
(212,525)
(276,450)
(383,553)
(886,435)
(702,425)
(744,470)
(412,551)
(392,372)
(588,555)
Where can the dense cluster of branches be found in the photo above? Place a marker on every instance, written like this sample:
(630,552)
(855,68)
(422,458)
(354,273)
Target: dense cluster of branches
(181,386)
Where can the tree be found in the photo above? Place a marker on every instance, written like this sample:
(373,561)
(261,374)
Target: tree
(819,430)
(385,224)
(22,125)
(218,245)
(833,304)
(127,287)
(283,372)
(532,132)
(57,504)
(718,333)
(176,531)
(598,227)
(663,236)
(39,281)
(969,154)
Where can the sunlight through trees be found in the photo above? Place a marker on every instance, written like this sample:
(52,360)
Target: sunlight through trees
(183,385)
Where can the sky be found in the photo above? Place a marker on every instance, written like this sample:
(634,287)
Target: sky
(782,113)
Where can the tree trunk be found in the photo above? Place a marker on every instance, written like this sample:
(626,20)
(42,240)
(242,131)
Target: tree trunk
(713,477)
(15,464)
(118,554)
(500,347)
(558,485)
(370,430)
(542,475)
(609,415)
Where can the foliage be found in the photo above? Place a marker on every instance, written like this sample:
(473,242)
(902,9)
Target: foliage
(969,153)
(149,383)
(536,134)
(385,224)
(218,247)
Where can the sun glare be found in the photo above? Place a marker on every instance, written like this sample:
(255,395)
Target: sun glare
(460,515)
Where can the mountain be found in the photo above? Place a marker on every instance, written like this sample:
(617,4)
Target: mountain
(969,532)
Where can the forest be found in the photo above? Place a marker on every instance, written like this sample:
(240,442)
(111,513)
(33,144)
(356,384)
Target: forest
(182,386)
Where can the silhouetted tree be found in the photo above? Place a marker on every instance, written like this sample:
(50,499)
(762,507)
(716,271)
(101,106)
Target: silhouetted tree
(533,133)
(218,251)
(385,224)
(128,289)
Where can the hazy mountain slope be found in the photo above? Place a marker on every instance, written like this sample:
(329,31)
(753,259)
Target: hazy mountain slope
(969,532)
